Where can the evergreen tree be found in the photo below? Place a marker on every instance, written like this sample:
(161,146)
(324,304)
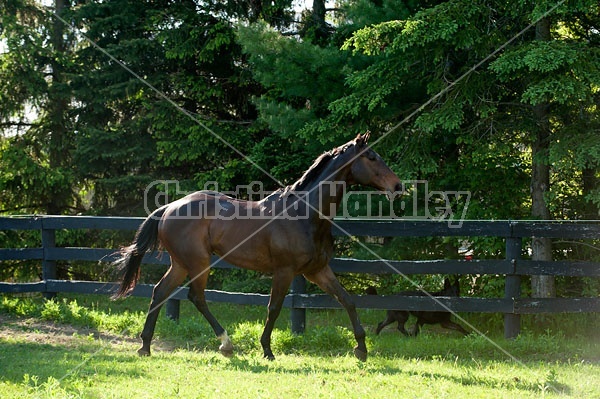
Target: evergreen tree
(102,134)
(35,110)
(194,129)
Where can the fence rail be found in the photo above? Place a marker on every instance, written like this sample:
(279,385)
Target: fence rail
(512,305)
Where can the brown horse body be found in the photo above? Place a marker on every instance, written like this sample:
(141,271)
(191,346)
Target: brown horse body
(286,234)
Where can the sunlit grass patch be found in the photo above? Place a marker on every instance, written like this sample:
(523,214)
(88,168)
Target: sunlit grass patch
(85,346)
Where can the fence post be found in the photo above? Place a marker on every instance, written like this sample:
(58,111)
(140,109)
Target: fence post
(298,315)
(512,287)
(48,266)
(173,309)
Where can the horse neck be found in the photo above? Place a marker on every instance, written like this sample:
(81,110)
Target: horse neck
(326,193)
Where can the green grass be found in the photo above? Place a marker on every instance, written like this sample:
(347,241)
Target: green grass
(85,346)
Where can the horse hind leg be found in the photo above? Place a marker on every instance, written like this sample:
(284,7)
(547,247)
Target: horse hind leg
(417,328)
(402,317)
(171,280)
(389,319)
(197,296)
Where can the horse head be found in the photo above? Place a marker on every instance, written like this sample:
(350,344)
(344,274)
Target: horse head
(369,169)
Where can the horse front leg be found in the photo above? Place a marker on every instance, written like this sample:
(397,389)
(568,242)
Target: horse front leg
(279,289)
(327,281)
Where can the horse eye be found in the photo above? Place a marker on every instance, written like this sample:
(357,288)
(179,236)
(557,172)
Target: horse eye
(371,156)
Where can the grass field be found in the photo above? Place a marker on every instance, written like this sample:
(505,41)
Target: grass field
(85,347)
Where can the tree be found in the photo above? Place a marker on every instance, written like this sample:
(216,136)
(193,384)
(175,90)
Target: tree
(534,81)
(35,101)
(541,249)
(376,86)
(303,76)
(558,76)
(187,52)
(101,135)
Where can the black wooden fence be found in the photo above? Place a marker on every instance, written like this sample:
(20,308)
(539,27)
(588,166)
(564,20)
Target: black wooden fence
(512,305)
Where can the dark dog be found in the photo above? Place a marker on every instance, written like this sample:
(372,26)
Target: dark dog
(423,317)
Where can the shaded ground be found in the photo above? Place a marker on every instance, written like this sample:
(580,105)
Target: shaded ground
(46,332)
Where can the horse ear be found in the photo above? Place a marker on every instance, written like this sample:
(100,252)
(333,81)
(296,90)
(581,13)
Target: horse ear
(362,139)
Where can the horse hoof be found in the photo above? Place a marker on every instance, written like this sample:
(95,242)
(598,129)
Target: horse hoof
(226,352)
(143,352)
(269,357)
(226,349)
(360,354)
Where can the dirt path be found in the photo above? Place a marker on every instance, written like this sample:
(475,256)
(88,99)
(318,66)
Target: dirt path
(45,332)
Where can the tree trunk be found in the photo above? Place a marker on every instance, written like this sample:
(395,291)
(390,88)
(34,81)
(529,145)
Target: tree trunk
(541,286)
(316,25)
(590,182)
(58,101)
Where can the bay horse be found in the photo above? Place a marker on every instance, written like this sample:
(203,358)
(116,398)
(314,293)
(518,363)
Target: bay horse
(288,233)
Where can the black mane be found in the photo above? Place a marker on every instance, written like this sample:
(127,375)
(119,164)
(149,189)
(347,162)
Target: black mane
(316,168)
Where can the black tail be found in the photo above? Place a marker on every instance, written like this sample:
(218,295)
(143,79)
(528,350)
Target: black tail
(130,261)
